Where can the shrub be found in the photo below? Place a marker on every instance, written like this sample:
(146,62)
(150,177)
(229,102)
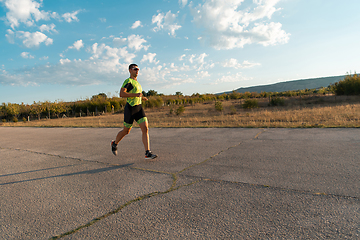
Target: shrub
(234,95)
(151,93)
(276,101)
(15,119)
(218,106)
(115,104)
(250,103)
(154,102)
(350,85)
(24,120)
(107,107)
(180,110)
(232,110)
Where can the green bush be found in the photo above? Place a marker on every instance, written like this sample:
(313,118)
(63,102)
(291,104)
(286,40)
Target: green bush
(180,110)
(115,104)
(15,119)
(234,95)
(24,120)
(250,103)
(218,106)
(232,110)
(154,102)
(276,101)
(108,107)
(350,85)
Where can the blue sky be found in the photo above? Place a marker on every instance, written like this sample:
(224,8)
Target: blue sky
(70,50)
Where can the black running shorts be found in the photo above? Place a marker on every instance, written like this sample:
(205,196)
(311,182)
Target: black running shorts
(133,113)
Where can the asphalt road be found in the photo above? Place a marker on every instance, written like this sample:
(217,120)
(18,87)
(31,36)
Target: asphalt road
(229,183)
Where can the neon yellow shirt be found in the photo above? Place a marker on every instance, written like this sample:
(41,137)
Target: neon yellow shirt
(132,86)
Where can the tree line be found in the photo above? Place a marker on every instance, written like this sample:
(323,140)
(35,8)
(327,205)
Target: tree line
(101,104)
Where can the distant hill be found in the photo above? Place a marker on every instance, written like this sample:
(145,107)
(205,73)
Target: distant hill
(292,85)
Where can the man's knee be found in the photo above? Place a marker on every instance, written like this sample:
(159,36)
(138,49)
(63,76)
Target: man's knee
(145,130)
(144,127)
(127,130)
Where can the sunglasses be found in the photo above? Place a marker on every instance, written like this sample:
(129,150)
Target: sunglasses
(136,69)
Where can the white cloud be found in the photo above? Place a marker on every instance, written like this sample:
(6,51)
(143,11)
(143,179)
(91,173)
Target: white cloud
(136,42)
(102,20)
(269,34)
(149,57)
(24,11)
(202,74)
(233,63)
(165,22)
(48,28)
(228,25)
(201,58)
(264,9)
(136,24)
(69,17)
(26,55)
(107,66)
(119,41)
(28,12)
(10,36)
(77,45)
(33,39)
(181,58)
(182,3)
(162,77)
(196,61)
(237,77)
(63,61)
(66,72)
(111,56)
(191,58)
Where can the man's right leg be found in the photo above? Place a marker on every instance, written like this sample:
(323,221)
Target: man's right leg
(119,137)
(128,121)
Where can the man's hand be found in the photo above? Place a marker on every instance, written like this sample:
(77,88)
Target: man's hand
(144,98)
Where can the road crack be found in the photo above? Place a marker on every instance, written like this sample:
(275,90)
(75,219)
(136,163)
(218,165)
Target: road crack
(145,196)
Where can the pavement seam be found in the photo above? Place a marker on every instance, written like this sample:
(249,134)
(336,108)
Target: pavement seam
(260,185)
(283,189)
(224,150)
(59,156)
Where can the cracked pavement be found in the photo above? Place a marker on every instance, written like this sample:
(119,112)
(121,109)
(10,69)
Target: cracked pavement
(222,183)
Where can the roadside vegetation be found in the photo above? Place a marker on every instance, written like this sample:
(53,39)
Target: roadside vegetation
(337,105)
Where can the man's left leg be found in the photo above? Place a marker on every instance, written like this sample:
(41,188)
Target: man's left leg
(145,138)
(144,126)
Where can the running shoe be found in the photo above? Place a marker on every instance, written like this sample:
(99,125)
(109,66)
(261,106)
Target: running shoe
(150,155)
(114,148)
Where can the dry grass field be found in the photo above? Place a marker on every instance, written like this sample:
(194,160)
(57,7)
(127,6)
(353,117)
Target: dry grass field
(312,111)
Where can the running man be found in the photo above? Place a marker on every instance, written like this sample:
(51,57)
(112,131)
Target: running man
(132,90)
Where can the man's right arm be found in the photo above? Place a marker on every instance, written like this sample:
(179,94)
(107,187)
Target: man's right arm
(125,94)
